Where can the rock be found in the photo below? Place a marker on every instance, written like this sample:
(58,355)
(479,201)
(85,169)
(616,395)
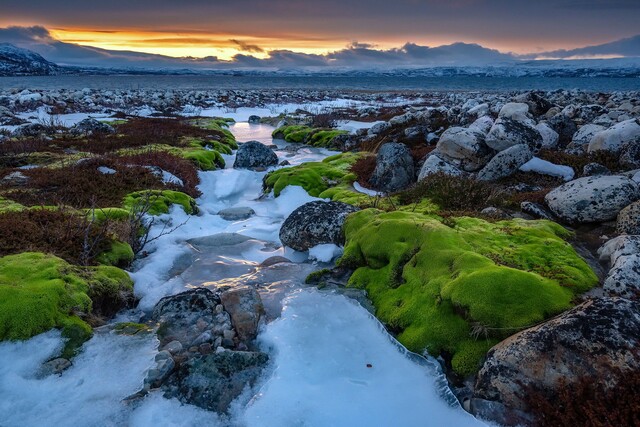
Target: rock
(593,340)
(54,367)
(245,308)
(315,223)
(434,164)
(585,134)
(15,179)
(91,126)
(506,133)
(535,210)
(592,199)
(594,169)
(630,154)
(628,221)
(394,168)
(506,163)
(254,120)
(619,246)
(236,214)
(378,128)
(614,138)
(253,155)
(220,239)
(177,315)
(274,260)
(482,124)
(464,148)
(550,137)
(174,347)
(537,104)
(624,277)
(33,130)
(564,126)
(516,111)
(214,380)
(158,375)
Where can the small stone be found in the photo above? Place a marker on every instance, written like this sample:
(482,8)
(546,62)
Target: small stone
(174,347)
(202,338)
(205,348)
(229,334)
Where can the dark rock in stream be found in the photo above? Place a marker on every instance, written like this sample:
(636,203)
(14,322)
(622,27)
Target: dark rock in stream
(254,155)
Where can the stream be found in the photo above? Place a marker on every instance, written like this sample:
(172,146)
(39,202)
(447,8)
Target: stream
(333,363)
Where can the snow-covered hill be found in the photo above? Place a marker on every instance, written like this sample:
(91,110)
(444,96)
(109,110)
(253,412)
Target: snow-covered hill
(15,61)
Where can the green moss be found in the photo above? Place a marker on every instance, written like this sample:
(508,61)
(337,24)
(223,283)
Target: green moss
(206,160)
(119,254)
(39,292)
(316,276)
(10,206)
(220,127)
(160,201)
(113,214)
(436,284)
(314,177)
(318,137)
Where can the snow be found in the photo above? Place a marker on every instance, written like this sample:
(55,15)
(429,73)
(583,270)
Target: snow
(360,189)
(547,168)
(321,376)
(352,126)
(325,252)
(106,171)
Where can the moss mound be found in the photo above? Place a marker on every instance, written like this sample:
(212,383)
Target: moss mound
(458,289)
(39,292)
(317,137)
(314,177)
(160,201)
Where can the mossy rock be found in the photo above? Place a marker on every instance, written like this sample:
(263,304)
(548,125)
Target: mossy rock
(317,137)
(119,254)
(220,126)
(314,177)
(160,201)
(40,292)
(460,288)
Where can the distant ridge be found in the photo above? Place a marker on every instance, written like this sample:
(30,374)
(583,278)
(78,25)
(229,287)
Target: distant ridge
(15,61)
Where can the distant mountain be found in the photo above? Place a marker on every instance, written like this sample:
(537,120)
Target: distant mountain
(15,61)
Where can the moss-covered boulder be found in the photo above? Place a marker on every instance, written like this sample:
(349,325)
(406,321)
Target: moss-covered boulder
(39,292)
(458,289)
(317,137)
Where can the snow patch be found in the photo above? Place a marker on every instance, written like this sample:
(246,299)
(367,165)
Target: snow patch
(325,252)
(547,168)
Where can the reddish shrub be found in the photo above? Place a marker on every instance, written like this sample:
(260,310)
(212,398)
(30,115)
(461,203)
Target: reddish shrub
(364,168)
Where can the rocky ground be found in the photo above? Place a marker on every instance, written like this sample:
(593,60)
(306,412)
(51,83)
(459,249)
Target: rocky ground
(497,232)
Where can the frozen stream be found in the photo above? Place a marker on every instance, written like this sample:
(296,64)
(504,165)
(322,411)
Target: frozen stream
(320,345)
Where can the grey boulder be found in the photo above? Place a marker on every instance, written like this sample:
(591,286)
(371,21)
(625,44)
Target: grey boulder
(394,168)
(254,155)
(464,148)
(507,132)
(506,163)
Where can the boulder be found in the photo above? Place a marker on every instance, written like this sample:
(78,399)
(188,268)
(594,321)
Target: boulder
(378,128)
(624,277)
(482,124)
(593,169)
(89,126)
(254,120)
(537,104)
(244,305)
(592,199)
(549,136)
(506,163)
(628,221)
(15,179)
(394,168)
(254,155)
(630,154)
(585,134)
(516,111)
(507,132)
(596,339)
(33,130)
(315,223)
(619,246)
(464,148)
(614,138)
(434,164)
(564,126)
(214,380)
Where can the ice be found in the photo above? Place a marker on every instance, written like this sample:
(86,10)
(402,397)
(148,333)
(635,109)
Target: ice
(360,189)
(547,168)
(325,252)
(352,126)
(90,392)
(323,344)
(157,411)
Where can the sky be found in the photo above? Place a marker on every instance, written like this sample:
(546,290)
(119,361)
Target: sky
(224,28)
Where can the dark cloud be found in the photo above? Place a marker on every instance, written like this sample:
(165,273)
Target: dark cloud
(246,47)
(629,47)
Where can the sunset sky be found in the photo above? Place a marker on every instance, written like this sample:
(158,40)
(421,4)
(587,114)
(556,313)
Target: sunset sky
(223,28)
